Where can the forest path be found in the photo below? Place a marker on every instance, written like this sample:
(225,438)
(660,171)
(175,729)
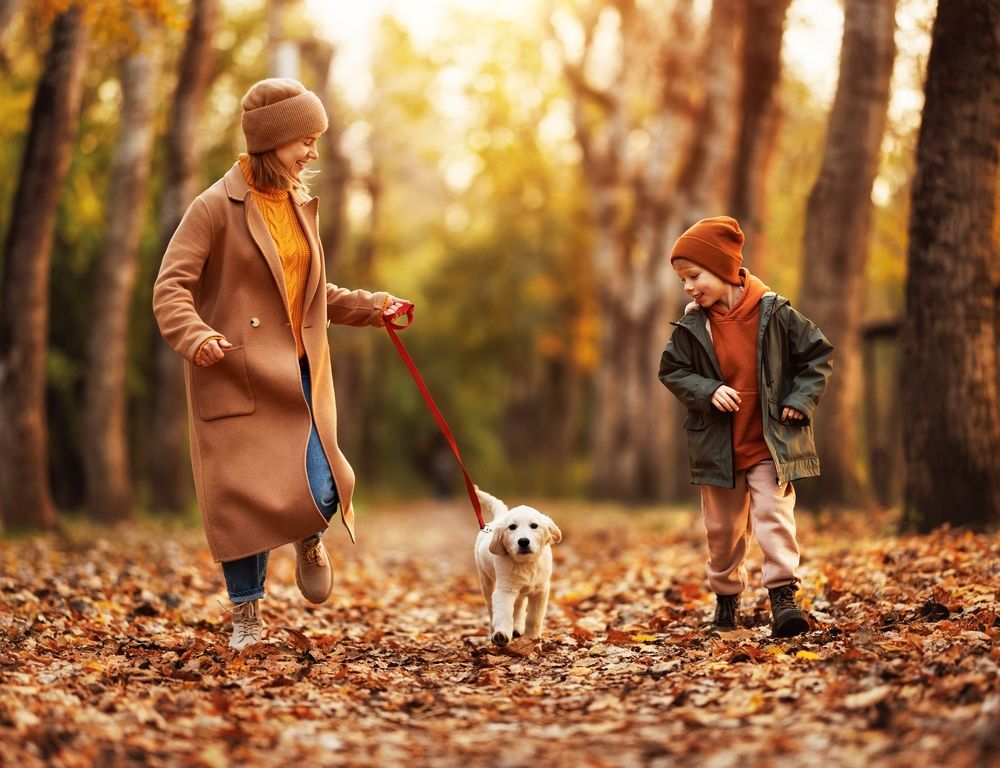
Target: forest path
(113,652)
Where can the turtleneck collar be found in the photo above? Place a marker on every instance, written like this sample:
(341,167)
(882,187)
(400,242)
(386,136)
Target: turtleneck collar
(270,194)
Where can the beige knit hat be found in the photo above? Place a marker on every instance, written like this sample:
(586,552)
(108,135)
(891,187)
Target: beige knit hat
(279,110)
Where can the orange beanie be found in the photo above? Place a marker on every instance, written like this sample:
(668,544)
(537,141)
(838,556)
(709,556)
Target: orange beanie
(279,110)
(714,244)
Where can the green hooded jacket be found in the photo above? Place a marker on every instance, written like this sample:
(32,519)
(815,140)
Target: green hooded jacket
(794,362)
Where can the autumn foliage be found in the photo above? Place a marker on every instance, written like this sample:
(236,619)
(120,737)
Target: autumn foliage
(113,652)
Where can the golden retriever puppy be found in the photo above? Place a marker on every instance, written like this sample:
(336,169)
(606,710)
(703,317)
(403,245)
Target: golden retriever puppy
(514,559)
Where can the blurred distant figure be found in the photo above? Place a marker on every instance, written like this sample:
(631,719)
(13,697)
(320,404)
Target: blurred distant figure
(750,370)
(242,297)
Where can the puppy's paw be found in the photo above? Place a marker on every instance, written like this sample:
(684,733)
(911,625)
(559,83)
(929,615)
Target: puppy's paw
(501,639)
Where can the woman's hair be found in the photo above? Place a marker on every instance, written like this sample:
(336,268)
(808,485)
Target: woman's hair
(268,173)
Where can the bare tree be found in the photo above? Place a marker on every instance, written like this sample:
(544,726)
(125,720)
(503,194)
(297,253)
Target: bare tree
(105,439)
(169,471)
(317,56)
(838,219)
(25,500)
(643,193)
(950,384)
(760,119)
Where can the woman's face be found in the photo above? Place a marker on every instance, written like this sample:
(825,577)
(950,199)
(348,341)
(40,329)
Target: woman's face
(296,155)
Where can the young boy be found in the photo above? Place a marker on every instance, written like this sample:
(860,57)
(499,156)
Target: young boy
(750,370)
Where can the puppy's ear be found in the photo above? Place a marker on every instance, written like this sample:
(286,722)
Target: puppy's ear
(496,543)
(553,530)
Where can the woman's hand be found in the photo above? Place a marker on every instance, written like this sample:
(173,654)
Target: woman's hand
(394,306)
(725,398)
(211,352)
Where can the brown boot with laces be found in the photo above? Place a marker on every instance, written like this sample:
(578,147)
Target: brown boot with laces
(727,613)
(313,569)
(788,619)
(247,626)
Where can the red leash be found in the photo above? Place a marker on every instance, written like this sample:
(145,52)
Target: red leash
(391,326)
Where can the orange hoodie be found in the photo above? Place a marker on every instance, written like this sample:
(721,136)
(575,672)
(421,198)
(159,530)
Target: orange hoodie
(734,335)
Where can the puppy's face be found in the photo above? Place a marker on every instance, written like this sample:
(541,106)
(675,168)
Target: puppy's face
(522,533)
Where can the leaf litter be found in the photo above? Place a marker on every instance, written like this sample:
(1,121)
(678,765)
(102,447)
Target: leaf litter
(113,651)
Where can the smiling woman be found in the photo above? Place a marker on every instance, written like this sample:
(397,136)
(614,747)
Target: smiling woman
(242,296)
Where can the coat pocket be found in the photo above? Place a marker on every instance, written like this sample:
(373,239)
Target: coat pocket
(223,389)
(709,442)
(792,440)
(698,420)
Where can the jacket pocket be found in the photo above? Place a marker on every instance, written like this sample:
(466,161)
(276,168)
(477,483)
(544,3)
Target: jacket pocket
(709,442)
(792,440)
(223,389)
(699,420)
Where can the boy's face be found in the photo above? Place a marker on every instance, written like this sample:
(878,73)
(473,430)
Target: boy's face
(701,286)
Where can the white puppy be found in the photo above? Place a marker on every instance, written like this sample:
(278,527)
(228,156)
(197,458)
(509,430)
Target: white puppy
(514,559)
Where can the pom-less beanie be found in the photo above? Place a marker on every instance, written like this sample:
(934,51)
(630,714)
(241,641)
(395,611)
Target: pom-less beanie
(715,244)
(278,111)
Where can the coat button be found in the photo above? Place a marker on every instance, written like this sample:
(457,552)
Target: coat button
(255,321)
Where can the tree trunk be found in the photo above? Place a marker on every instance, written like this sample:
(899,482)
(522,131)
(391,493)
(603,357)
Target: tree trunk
(8,9)
(169,471)
(838,220)
(106,453)
(25,500)
(761,115)
(629,201)
(318,55)
(950,332)
(282,44)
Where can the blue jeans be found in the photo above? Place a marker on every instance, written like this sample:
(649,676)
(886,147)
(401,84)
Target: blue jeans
(245,577)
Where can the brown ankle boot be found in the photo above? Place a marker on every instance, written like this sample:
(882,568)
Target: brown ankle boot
(788,619)
(727,612)
(313,569)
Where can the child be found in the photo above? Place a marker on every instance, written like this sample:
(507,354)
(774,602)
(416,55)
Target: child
(750,370)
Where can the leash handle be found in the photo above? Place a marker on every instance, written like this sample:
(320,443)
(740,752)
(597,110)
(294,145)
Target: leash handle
(406,310)
(391,326)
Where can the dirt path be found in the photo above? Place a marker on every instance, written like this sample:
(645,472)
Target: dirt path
(113,652)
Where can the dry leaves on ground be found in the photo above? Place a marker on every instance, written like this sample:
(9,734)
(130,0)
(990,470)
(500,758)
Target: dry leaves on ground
(113,651)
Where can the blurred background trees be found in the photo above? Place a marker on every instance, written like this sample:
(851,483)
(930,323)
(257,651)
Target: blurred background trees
(521,173)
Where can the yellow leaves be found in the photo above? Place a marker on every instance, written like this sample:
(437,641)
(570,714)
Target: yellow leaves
(808,656)
(644,638)
(580,591)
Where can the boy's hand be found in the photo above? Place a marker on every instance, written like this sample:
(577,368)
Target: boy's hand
(790,414)
(726,399)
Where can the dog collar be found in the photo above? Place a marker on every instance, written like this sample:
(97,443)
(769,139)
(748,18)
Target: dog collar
(486,529)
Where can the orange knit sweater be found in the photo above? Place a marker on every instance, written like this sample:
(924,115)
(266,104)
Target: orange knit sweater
(734,336)
(276,206)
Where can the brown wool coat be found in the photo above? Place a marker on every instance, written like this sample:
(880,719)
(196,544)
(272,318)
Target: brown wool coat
(249,422)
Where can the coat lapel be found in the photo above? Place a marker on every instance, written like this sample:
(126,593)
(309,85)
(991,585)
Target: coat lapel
(307,212)
(238,189)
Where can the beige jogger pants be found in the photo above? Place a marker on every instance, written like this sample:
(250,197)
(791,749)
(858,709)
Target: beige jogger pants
(757,503)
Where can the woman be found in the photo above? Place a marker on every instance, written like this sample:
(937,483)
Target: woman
(242,297)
